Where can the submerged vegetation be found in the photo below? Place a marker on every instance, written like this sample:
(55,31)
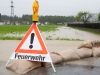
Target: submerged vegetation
(13,32)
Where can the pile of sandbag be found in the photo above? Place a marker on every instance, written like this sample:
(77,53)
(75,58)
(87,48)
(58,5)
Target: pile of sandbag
(68,55)
(62,56)
(22,66)
(94,45)
(86,49)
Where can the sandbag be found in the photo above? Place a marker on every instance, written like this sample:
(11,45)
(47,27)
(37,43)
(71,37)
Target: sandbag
(86,44)
(56,58)
(96,52)
(84,52)
(69,55)
(23,66)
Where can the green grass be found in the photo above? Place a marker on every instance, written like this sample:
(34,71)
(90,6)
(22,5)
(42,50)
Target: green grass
(10,38)
(48,28)
(68,39)
(20,29)
(4,29)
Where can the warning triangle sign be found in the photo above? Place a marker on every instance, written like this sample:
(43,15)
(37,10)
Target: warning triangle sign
(32,47)
(32,42)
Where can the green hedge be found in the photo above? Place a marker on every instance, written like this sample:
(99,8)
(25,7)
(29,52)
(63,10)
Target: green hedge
(86,25)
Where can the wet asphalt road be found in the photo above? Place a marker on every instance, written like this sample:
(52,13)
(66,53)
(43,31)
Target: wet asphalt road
(62,69)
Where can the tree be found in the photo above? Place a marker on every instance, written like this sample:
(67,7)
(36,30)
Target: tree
(83,16)
(27,18)
(99,17)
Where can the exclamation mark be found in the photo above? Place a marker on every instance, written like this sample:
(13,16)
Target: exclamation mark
(31,40)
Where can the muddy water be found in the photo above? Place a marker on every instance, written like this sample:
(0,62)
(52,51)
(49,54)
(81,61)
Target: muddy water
(65,32)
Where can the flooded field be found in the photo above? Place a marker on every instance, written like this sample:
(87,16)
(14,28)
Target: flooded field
(66,32)
(63,32)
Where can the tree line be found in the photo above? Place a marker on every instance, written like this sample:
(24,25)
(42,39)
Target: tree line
(42,19)
(82,16)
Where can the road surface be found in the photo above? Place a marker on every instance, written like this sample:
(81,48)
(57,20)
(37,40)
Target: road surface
(87,66)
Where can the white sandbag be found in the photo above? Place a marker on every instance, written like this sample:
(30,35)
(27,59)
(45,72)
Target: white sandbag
(86,44)
(96,52)
(23,66)
(84,52)
(69,55)
(56,58)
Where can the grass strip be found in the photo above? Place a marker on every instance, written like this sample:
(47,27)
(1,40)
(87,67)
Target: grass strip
(67,39)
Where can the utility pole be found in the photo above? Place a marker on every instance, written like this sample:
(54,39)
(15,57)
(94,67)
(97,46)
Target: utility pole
(0,16)
(12,12)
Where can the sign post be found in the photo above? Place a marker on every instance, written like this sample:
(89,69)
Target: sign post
(32,46)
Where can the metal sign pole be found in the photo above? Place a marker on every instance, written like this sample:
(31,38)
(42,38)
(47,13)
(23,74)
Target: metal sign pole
(53,67)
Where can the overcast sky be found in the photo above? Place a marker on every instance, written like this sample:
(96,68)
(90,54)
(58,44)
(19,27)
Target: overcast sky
(50,7)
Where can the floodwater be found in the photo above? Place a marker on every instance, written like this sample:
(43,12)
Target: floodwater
(64,32)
